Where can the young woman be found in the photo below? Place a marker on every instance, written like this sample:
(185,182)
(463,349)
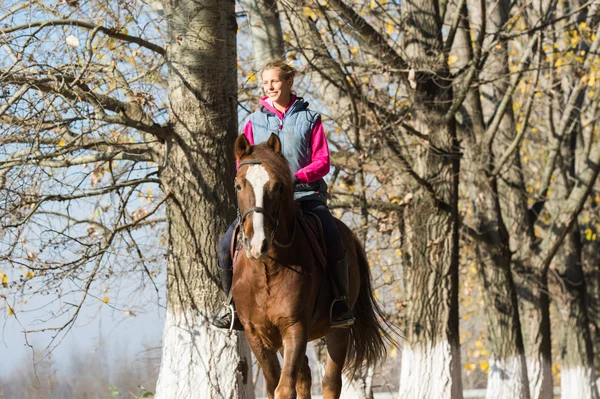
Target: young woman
(305,147)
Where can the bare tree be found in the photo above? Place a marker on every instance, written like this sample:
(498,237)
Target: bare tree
(103,107)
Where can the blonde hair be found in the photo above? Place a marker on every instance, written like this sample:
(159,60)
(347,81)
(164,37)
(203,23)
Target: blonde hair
(285,70)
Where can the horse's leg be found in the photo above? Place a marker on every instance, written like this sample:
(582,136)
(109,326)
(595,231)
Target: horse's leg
(304,382)
(337,346)
(269,363)
(294,348)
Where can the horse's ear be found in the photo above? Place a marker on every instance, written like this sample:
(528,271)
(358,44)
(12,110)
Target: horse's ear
(242,147)
(274,143)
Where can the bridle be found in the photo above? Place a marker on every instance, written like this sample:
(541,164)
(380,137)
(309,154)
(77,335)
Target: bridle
(274,218)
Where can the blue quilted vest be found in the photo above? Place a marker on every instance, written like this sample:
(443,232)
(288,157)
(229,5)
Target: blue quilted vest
(294,132)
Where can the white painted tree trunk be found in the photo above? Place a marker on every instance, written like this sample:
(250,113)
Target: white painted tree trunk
(200,362)
(428,372)
(575,383)
(538,386)
(197,177)
(506,379)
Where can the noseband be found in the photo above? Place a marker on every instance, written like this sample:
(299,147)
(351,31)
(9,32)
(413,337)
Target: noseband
(274,218)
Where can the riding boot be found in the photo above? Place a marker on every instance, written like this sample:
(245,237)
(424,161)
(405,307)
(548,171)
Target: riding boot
(223,317)
(340,314)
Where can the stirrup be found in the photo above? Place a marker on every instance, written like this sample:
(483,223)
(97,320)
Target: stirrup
(344,322)
(227,310)
(232,310)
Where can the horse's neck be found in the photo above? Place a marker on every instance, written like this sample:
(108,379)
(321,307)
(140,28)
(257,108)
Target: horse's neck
(287,224)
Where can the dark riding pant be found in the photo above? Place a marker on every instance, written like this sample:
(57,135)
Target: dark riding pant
(224,254)
(333,239)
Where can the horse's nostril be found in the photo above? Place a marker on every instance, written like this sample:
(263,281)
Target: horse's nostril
(246,242)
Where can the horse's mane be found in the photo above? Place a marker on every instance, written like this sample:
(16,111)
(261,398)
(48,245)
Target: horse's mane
(277,165)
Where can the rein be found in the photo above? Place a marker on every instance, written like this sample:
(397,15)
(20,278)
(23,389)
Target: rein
(274,218)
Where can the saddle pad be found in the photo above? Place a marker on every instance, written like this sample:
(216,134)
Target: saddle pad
(311,224)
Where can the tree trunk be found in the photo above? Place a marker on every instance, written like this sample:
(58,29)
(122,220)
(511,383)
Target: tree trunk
(577,370)
(197,361)
(431,350)
(265,28)
(507,376)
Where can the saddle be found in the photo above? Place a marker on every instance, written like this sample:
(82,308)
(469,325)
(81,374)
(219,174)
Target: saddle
(309,223)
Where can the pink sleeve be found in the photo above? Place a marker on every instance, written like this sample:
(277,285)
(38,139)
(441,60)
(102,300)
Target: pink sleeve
(319,167)
(248,132)
(249,135)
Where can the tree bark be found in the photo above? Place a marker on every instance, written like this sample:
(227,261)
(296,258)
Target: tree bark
(431,351)
(265,28)
(196,175)
(507,376)
(578,379)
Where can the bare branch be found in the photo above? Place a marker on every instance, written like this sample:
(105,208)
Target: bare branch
(112,32)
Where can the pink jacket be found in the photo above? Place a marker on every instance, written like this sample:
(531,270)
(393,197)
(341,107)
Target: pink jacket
(320,165)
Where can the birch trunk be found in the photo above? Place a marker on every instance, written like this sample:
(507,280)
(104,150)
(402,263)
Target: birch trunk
(197,361)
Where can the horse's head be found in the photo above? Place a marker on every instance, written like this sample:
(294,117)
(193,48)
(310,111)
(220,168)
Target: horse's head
(264,186)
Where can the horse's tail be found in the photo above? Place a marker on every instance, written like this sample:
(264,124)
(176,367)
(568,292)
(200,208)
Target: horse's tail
(370,333)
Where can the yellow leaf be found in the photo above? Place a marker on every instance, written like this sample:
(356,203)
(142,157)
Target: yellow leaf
(478,344)
(5,281)
(105,299)
(394,352)
(588,234)
(30,274)
(372,4)
(354,50)
(389,27)
(10,311)
(470,366)
(452,59)
(61,143)
(309,13)
(592,80)
(484,365)
(252,78)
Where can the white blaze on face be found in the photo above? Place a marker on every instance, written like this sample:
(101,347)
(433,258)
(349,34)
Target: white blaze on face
(258,177)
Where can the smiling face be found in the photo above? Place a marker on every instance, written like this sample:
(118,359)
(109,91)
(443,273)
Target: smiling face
(277,89)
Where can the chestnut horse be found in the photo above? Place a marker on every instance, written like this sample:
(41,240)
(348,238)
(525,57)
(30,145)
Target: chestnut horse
(282,292)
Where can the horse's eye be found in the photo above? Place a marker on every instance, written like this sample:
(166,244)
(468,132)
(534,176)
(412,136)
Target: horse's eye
(238,187)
